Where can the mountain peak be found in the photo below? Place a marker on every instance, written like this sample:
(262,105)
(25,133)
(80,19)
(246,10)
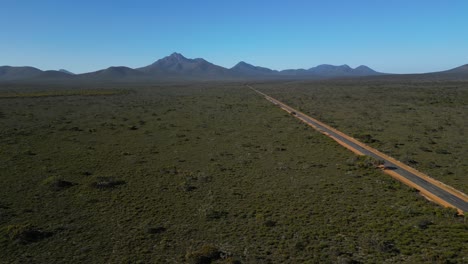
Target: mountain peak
(243,64)
(364,70)
(178,65)
(362,67)
(249,69)
(177,56)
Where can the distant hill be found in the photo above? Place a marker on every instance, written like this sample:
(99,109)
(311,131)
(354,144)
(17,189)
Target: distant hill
(365,71)
(321,71)
(116,72)
(294,72)
(178,67)
(8,73)
(458,70)
(458,73)
(65,71)
(53,75)
(245,69)
(331,71)
(455,74)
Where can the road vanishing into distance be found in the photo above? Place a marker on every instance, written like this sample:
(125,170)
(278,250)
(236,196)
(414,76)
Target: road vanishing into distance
(432,189)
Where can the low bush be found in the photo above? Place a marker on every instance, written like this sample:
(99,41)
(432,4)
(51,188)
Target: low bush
(26,233)
(57,183)
(206,254)
(107,183)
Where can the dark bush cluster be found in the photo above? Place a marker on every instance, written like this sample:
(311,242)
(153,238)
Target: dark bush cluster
(366,138)
(25,234)
(205,255)
(61,184)
(155,230)
(365,162)
(215,215)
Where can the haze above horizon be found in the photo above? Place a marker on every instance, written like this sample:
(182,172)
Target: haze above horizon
(397,37)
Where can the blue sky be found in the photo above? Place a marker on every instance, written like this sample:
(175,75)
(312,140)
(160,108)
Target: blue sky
(390,36)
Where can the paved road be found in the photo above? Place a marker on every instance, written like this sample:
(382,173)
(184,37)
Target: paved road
(441,193)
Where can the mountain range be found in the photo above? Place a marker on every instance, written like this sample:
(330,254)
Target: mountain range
(178,67)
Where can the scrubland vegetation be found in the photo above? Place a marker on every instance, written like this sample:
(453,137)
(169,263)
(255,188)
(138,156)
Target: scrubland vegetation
(423,124)
(214,173)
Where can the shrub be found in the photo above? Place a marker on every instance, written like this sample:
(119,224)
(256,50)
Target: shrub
(107,183)
(57,183)
(365,162)
(366,138)
(187,186)
(26,233)
(155,230)
(423,224)
(214,215)
(61,184)
(270,223)
(206,254)
(409,160)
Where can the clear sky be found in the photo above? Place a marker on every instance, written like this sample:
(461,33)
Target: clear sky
(398,36)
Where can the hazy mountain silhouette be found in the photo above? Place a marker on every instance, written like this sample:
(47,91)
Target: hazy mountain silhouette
(178,67)
(9,73)
(330,71)
(65,71)
(115,72)
(460,70)
(294,72)
(364,70)
(458,73)
(52,75)
(245,69)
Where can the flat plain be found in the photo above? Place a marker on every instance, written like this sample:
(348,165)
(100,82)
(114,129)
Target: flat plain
(212,172)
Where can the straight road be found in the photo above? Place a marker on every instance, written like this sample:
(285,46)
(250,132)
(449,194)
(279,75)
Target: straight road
(434,190)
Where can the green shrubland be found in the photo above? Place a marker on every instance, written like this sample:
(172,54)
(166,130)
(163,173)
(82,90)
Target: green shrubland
(213,173)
